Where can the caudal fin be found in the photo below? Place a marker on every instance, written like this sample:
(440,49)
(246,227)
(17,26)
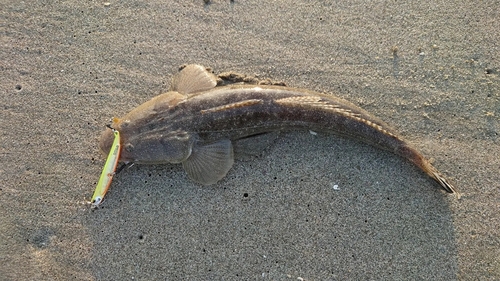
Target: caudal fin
(437,176)
(418,159)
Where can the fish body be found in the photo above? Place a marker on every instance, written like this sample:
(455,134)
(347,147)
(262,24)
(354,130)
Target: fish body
(198,123)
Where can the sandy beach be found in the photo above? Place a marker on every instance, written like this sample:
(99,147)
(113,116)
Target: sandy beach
(312,206)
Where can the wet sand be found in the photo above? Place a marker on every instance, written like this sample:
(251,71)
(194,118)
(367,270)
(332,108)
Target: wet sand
(317,207)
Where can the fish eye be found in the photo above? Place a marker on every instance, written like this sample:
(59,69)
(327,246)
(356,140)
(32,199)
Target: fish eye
(125,123)
(129,147)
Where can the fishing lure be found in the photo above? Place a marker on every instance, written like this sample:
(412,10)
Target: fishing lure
(108,171)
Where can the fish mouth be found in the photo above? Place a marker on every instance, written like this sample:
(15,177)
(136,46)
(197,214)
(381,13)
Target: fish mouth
(106,141)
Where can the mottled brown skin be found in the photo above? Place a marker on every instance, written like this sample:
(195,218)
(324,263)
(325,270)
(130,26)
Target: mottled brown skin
(238,111)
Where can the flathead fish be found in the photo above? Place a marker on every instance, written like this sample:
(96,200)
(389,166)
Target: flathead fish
(198,124)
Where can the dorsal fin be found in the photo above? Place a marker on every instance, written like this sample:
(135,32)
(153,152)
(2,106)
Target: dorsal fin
(193,78)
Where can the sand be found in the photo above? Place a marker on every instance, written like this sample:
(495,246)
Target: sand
(316,207)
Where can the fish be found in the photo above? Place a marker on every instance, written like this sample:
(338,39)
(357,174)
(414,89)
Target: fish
(200,123)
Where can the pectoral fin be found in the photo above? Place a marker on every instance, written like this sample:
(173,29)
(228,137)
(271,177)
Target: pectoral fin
(193,78)
(209,163)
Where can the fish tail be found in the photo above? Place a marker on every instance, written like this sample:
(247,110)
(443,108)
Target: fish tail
(437,176)
(419,160)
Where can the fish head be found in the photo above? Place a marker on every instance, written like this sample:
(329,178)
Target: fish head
(142,140)
(158,147)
